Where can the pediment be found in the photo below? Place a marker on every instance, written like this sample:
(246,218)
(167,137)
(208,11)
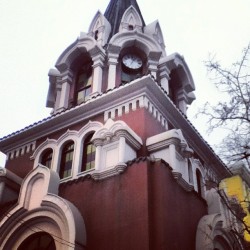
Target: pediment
(100,28)
(131,20)
(155,31)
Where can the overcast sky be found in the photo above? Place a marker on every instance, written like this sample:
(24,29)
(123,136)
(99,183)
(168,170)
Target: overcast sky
(33,34)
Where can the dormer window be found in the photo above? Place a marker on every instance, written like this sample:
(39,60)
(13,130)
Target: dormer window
(83,83)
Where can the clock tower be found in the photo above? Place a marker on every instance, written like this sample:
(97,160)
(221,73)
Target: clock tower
(117,165)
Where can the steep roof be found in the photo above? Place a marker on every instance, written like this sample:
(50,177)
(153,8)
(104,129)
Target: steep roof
(115,11)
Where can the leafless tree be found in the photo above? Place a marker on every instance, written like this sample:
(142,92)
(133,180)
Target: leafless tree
(233,113)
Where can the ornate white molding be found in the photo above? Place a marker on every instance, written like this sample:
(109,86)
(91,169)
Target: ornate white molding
(39,206)
(134,104)
(118,169)
(173,136)
(113,131)
(185,185)
(116,143)
(100,28)
(17,152)
(131,20)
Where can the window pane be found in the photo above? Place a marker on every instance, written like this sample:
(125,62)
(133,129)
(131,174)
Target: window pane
(46,158)
(66,160)
(83,83)
(88,160)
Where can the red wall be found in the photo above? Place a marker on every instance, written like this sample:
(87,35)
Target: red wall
(143,208)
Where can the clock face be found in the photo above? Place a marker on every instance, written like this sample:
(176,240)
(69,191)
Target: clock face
(132,61)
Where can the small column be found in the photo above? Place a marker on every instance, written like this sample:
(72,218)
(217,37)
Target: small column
(98,158)
(98,72)
(152,67)
(153,62)
(98,154)
(56,160)
(113,61)
(172,157)
(182,101)
(63,90)
(122,148)
(113,54)
(164,76)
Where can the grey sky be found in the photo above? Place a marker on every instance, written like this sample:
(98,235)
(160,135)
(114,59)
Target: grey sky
(33,34)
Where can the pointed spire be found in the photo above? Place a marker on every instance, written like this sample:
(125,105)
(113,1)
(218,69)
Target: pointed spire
(115,11)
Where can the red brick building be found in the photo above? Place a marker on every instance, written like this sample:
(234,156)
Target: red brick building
(117,165)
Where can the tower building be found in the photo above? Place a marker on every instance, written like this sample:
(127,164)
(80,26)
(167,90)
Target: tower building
(117,165)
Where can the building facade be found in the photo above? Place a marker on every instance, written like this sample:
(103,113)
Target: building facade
(117,165)
(237,187)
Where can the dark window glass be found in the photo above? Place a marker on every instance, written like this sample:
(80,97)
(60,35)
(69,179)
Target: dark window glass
(199,181)
(88,158)
(46,159)
(38,241)
(83,83)
(190,171)
(66,160)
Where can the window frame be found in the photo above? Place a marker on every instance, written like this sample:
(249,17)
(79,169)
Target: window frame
(86,144)
(84,86)
(65,153)
(47,156)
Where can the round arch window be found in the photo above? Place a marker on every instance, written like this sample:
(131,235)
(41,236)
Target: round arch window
(38,241)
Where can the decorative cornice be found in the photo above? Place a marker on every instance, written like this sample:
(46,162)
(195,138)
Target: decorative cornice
(134,104)
(145,86)
(182,182)
(118,169)
(21,150)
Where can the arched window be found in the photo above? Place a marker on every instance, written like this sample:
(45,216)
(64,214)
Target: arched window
(199,182)
(83,83)
(190,172)
(46,159)
(38,241)
(66,160)
(88,158)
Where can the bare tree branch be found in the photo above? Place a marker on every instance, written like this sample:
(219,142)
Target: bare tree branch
(233,113)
